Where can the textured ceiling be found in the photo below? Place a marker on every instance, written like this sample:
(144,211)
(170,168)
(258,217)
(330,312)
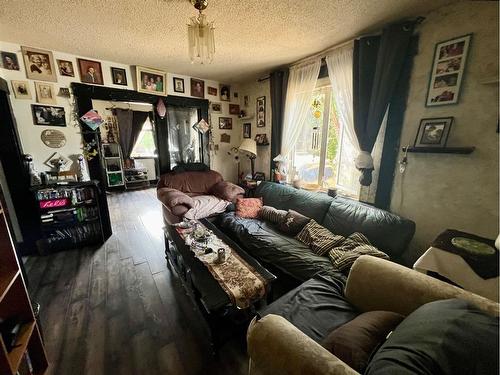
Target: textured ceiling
(252,36)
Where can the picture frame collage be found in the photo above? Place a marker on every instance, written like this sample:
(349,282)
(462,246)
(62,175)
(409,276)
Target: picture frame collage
(444,88)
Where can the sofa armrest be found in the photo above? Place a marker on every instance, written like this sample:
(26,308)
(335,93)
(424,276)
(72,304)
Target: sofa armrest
(227,191)
(173,197)
(378,284)
(276,347)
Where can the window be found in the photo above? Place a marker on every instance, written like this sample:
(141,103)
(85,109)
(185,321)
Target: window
(323,157)
(145,146)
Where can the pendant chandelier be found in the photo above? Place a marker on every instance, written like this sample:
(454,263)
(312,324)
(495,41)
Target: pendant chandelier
(201,35)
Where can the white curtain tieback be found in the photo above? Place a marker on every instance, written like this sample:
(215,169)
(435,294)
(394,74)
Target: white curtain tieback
(364,160)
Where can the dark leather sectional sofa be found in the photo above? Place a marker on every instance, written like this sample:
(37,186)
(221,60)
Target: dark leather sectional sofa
(388,232)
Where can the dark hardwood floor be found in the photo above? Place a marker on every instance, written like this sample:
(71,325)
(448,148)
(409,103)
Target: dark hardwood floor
(118,309)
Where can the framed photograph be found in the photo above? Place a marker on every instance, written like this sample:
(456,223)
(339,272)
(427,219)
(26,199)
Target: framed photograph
(225,93)
(247,130)
(119,76)
(179,84)
(65,68)
(39,64)
(433,132)
(234,109)
(151,81)
(212,91)
(225,138)
(45,93)
(261,111)
(21,89)
(245,101)
(261,140)
(447,71)
(48,116)
(90,71)
(225,123)
(259,176)
(9,60)
(197,88)
(216,107)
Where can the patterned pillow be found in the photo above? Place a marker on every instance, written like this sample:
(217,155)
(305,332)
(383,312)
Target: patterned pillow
(293,223)
(271,214)
(318,238)
(248,207)
(343,259)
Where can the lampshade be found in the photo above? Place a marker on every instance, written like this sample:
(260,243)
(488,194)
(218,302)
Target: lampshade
(248,145)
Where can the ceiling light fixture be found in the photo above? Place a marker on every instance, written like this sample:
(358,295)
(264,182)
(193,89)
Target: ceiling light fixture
(201,35)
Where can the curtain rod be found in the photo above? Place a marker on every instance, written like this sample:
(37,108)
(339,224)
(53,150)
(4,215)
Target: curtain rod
(417,20)
(323,52)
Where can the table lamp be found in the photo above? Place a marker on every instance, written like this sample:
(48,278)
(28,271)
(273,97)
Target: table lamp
(249,147)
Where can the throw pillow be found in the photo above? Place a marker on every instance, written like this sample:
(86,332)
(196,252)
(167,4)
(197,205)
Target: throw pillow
(446,337)
(272,215)
(355,341)
(343,259)
(248,207)
(293,222)
(318,238)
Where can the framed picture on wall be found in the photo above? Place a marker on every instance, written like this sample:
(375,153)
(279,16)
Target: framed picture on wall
(216,107)
(48,116)
(225,93)
(21,89)
(39,64)
(212,91)
(45,93)
(9,60)
(247,130)
(151,81)
(197,88)
(447,71)
(261,111)
(234,109)
(90,71)
(225,123)
(178,84)
(119,76)
(433,132)
(65,68)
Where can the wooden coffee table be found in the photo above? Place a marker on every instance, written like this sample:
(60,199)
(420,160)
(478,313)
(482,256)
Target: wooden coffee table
(223,318)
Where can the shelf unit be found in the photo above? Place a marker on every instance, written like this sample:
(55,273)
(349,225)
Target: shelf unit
(70,216)
(113,164)
(440,150)
(136,178)
(15,305)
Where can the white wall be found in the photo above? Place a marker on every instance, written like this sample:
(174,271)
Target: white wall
(30,133)
(254,89)
(440,191)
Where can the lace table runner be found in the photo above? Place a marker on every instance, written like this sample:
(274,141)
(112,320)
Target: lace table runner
(242,283)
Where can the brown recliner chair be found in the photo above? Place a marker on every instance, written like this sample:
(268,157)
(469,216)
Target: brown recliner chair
(195,195)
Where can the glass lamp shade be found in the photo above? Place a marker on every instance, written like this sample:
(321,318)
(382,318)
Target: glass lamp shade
(201,39)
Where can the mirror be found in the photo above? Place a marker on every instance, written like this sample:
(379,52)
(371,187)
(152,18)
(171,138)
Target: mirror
(184,142)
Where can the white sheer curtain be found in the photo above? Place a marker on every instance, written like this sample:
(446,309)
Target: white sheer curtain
(339,63)
(301,83)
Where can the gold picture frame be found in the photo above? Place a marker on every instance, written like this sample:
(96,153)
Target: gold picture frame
(39,64)
(149,81)
(45,93)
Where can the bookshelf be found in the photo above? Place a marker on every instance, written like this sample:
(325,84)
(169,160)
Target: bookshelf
(70,216)
(24,352)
